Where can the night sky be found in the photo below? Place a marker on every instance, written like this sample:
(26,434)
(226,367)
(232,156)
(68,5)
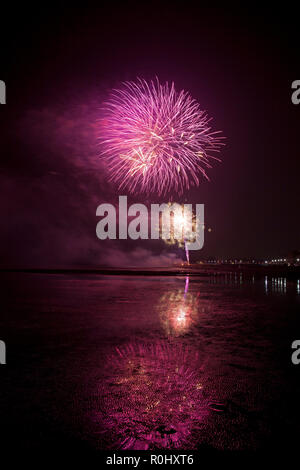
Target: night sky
(59,64)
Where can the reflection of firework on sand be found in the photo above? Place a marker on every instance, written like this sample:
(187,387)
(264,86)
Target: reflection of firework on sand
(155,139)
(178,312)
(157,397)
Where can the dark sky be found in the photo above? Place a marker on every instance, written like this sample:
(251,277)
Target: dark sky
(59,64)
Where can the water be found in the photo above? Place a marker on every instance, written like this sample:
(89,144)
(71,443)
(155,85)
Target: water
(150,362)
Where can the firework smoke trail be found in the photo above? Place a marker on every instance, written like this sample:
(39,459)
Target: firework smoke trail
(156,139)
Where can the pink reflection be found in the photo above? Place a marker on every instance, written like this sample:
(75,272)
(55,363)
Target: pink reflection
(186,288)
(156,398)
(178,310)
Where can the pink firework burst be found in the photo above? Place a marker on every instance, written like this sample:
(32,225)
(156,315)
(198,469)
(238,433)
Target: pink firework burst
(156,139)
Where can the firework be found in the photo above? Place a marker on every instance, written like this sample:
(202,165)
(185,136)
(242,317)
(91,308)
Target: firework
(156,139)
(183,221)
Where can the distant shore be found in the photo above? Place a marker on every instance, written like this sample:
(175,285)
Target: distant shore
(202,270)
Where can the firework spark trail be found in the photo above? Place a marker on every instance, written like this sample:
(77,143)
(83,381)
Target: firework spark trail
(187,252)
(156,139)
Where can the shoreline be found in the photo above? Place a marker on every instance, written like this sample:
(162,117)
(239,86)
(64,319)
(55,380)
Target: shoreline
(203,270)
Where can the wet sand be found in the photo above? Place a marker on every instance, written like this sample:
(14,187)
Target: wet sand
(149,362)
